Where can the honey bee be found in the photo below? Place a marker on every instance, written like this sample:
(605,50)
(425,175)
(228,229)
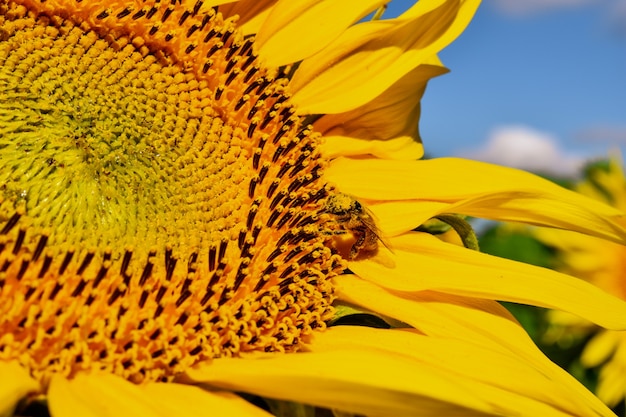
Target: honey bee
(355,220)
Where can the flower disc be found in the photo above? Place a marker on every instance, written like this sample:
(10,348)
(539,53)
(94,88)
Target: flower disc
(158,198)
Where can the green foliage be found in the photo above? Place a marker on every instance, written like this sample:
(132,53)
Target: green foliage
(518,246)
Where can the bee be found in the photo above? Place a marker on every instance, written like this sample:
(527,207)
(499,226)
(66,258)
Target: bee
(356,220)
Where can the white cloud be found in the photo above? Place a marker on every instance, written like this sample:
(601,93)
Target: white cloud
(528,7)
(525,148)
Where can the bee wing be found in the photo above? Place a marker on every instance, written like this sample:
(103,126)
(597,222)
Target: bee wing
(369,220)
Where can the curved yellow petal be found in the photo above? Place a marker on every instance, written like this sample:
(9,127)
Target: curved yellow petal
(459,319)
(462,320)
(478,189)
(397,217)
(358,380)
(556,208)
(423,262)
(510,385)
(393,115)
(404,147)
(186,400)
(97,395)
(15,384)
(106,395)
(442,315)
(611,385)
(295,30)
(370,57)
(481,322)
(600,348)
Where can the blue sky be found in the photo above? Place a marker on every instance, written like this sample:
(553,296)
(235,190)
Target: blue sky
(533,83)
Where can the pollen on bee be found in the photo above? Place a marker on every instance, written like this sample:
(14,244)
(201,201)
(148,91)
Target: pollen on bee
(352,227)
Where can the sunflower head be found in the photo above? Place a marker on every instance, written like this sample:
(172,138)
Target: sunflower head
(160,202)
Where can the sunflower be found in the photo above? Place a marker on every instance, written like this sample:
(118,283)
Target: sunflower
(191,191)
(603,264)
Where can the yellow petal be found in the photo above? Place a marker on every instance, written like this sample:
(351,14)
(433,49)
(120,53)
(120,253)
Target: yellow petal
(358,380)
(478,189)
(423,262)
(397,217)
(106,395)
(295,30)
(510,385)
(15,384)
(370,57)
(97,395)
(459,319)
(611,385)
(599,348)
(186,400)
(442,315)
(611,389)
(393,115)
(404,147)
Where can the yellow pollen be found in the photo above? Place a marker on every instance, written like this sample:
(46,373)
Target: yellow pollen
(159,200)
